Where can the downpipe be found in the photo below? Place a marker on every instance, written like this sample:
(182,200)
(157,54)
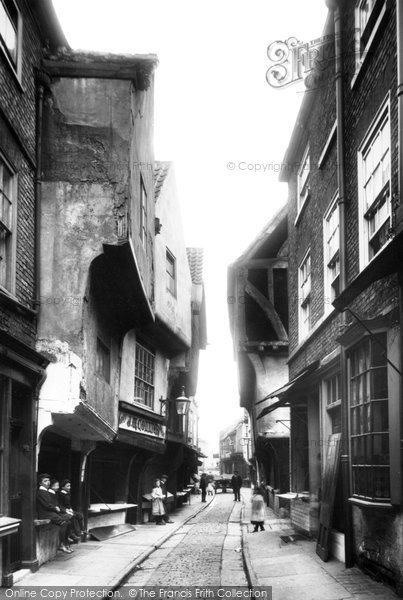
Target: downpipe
(334,5)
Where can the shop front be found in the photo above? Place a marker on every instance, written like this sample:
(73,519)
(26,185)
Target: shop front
(22,371)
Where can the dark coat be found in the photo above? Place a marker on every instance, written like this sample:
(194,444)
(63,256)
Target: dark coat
(64,499)
(46,507)
(203,482)
(236,482)
(164,492)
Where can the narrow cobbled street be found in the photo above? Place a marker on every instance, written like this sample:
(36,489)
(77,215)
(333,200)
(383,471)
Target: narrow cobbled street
(206,550)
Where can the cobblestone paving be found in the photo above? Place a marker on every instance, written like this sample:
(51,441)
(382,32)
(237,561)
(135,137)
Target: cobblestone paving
(195,557)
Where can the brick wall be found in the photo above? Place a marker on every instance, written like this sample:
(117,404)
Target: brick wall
(17,144)
(377,78)
(361,103)
(308,231)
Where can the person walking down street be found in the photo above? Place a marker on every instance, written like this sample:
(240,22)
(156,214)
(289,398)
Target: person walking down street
(164,479)
(258,509)
(158,507)
(236,484)
(203,487)
(47,508)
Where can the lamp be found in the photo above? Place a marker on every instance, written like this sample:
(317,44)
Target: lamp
(182,402)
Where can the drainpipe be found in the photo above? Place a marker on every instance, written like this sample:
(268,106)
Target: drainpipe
(42,81)
(335,5)
(399,38)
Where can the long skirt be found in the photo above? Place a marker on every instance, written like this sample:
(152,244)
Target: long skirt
(258,508)
(158,508)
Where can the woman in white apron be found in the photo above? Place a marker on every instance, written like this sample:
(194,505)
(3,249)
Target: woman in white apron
(158,509)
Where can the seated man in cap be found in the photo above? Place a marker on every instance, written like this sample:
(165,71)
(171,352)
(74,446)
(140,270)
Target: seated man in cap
(163,480)
(46,508)
(64,497)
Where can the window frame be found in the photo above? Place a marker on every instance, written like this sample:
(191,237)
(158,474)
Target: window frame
(365,36)
(9,285)
(304,300)
(15,66)
(329,282)
(171,279)
(371,368)
(303,180)
(383,197)
(142,383)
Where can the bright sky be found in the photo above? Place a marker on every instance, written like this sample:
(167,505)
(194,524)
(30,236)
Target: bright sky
(213,106)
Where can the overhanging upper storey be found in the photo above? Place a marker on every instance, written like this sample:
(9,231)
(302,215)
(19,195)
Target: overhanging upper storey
(138,68)
(258,292)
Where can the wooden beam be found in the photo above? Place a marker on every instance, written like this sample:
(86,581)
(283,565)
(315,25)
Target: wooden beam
(261,263)
(240,306)
(268,309)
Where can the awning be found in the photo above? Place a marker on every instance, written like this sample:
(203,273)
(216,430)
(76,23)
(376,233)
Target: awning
(283,392)
(84,424)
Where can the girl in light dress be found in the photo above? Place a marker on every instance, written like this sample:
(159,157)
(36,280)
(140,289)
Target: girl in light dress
(210,488)
(158,508)
(258,509)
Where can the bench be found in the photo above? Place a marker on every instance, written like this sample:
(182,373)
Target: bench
(183,496)
(47,540)
(102,514)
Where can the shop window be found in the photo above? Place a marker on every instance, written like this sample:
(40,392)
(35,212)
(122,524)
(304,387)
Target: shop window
(303,179)
(304,299)
(7,208)
(144,376)
(374,187)
(331,254)
(171,272)
(10,31)
(103,362)
(369,422)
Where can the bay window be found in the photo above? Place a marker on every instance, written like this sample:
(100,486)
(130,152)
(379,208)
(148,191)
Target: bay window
(369,420)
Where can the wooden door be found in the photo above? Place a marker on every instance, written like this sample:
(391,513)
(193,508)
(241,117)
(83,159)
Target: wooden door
(329,483)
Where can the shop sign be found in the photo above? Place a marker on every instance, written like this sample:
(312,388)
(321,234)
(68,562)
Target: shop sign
(141,425)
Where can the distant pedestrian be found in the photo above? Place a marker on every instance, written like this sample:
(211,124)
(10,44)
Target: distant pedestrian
(210,488)
(166,517)
(236,484)
(258,509)
(203,487)
(158,507)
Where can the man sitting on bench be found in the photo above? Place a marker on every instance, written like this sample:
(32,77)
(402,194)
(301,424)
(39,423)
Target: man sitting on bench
(47,509)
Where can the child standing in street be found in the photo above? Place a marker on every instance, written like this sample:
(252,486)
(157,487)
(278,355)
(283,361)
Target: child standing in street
(258,509)
(210,488)
(158,508)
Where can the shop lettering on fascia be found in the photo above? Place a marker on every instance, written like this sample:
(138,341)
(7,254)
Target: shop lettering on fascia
(142,425)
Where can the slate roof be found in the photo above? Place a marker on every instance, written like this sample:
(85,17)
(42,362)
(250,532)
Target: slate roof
(161,169)
(195,259)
